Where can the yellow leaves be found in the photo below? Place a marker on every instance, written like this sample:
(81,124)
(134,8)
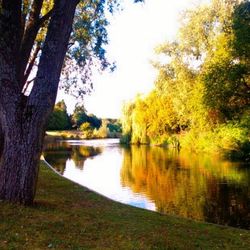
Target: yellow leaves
(47,6)
(198,81)
(26,6)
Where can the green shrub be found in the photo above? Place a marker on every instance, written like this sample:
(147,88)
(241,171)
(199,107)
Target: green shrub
(125,138)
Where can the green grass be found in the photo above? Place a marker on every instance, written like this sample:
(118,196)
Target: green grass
(68,216)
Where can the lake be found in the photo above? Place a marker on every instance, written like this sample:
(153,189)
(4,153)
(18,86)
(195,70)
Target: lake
(200,187)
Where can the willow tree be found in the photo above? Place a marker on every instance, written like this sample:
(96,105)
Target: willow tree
(42,33)
(202,91)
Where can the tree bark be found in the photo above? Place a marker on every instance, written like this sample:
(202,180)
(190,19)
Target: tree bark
(23,119)
(1,139)
(20,158)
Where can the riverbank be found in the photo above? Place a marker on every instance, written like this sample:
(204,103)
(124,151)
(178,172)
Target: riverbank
(64,134)
(231,143)
(74,135)
(68,216)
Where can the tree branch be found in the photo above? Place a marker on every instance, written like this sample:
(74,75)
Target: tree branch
(70,45)
(31,64)
(29,36)
(45,87)
(31,31)
(27,84)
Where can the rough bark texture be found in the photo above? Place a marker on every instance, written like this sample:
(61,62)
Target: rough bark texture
(23,119)
(1,140)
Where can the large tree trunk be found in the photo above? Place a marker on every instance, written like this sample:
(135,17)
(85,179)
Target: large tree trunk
(23,119)
(20,159)
(1,139)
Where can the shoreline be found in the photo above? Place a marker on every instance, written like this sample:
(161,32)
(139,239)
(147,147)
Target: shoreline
(69,216)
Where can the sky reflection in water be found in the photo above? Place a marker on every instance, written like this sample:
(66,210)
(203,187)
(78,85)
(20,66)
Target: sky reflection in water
(194,186)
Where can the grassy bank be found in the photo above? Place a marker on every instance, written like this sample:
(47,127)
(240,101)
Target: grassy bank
(68,216)
(65,134)
(76,135)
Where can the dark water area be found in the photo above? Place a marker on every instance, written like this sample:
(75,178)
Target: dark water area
(201,187)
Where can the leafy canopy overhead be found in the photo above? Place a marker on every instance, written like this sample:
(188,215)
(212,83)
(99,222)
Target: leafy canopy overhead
(86,47)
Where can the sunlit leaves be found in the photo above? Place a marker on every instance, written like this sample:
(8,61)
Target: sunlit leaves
(203,83)
(226,69)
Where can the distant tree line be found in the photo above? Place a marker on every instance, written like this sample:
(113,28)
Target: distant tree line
(90,125)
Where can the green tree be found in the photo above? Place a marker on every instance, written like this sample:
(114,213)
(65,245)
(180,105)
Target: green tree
(126,120)
(79,116)
(25,107)
(59,118)
(139,121)
(94,121)
(207,76)
(202,92)
(226,68)
(114,126)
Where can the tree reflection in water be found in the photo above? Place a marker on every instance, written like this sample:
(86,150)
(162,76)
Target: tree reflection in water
(201,187)
(189,185)
(57,154)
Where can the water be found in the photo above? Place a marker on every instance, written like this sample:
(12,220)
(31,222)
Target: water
(194,186)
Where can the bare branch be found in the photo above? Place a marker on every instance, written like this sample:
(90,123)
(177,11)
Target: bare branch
(29,35)
(31,64)
(27,84)
(70,45)
(31,31)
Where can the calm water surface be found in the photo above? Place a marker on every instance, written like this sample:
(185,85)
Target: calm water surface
(189,185)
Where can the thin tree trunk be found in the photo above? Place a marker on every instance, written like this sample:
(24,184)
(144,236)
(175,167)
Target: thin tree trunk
(25,84)
(29,36)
